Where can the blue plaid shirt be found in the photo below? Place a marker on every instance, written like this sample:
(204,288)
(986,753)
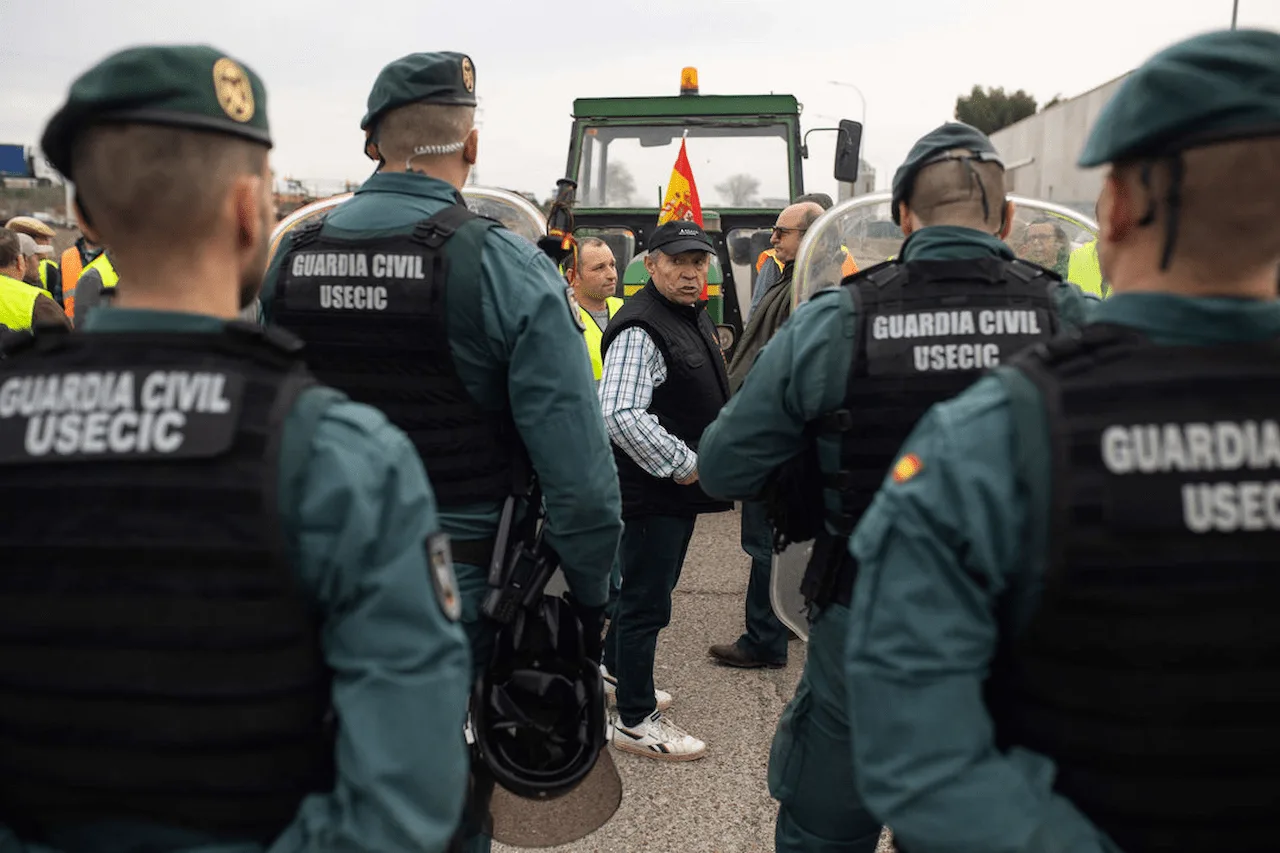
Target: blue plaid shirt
(633,367)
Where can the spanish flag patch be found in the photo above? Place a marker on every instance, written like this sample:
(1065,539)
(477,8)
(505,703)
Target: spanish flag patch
(906,468)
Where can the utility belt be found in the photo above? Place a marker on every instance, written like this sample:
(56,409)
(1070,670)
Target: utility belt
(473,552)
(511,558)
(793,496)
(831,573)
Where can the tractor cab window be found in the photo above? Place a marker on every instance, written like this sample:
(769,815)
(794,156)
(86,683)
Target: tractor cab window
(734,165)
(621,241)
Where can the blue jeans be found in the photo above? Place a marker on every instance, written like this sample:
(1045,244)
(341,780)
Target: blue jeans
(766,637)
(653,550)
(615,589)
(481,632)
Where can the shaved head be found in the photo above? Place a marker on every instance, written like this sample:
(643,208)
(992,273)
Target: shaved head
(951,193)
(791,225)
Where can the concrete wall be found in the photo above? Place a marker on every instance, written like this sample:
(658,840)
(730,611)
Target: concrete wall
(1041,151)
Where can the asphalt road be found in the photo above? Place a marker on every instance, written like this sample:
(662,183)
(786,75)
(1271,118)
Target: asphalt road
(719,804)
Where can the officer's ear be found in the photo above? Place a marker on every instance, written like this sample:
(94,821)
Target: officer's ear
(247,198)
(471,148)
(1119,208)
(1006,220)
(371,146)
(905,217)
(82,220)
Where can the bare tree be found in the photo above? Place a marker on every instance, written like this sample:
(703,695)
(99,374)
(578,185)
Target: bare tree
(739,189)
(619,186)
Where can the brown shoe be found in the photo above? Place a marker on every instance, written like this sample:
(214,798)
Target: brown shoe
(731,654)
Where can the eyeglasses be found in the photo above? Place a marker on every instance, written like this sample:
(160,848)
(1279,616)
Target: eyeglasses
(778,232)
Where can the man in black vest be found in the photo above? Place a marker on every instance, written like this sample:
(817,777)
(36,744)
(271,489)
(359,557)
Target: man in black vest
(764,643)
(239,628)
(1066,613)
(664,380)
(845,379)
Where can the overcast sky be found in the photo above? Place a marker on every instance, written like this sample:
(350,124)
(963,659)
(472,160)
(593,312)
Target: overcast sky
(910,58)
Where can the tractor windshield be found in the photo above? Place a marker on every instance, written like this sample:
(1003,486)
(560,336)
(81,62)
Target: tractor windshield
(734,164)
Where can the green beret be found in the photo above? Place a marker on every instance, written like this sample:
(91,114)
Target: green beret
(443,77)
(1211,88)
(932,148)
(191,86)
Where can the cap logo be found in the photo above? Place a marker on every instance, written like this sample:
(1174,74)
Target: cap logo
(235,92)
(685,232)
(468,75)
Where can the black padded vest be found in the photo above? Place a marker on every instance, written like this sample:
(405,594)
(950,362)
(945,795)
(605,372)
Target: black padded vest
(696,389)
(373,312)
(1151,671)
(158,660)
(926,331)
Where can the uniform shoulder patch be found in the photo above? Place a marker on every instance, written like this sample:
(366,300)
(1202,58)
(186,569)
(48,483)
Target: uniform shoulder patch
(445,582)
(906,468)
(574,309)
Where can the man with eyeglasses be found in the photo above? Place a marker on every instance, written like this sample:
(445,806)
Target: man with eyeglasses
(767,274)
(764,643)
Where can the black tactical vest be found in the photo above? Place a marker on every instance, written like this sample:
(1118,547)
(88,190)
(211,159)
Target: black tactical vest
(158,660)
(373,311)
(1151,672)
(696,389)
(926,331)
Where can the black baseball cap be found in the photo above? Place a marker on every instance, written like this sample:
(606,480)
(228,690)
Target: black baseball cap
(678,236)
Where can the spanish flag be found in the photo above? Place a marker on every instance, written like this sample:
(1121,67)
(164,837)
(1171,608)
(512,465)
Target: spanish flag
(681,201)
(907,467)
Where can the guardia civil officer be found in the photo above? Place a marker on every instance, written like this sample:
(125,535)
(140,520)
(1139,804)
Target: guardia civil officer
(857,367)
(462,332)
(1064,635)
(239,629)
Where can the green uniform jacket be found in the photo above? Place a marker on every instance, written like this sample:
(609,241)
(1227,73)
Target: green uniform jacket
(925,627)
(802,374)
(527,350)
(356,519)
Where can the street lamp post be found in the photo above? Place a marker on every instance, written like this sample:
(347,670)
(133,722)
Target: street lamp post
(861,96)
(863,99)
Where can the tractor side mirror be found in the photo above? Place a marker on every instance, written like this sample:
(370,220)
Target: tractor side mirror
(848,151)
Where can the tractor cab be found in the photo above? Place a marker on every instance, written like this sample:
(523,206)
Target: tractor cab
(745,153)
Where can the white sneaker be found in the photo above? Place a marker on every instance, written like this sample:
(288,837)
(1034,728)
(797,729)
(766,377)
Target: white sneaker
(658,737)
(611,691)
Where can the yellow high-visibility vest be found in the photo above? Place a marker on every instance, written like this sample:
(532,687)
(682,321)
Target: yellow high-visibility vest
(1083,269)
(103,265)
(17,301)
(45,264)
(594,335)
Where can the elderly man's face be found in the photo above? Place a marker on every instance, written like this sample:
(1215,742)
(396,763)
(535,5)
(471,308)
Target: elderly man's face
(788,231)
(680,277)
(1041,246)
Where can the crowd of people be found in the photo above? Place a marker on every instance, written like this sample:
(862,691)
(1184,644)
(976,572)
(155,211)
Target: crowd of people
(255,508)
